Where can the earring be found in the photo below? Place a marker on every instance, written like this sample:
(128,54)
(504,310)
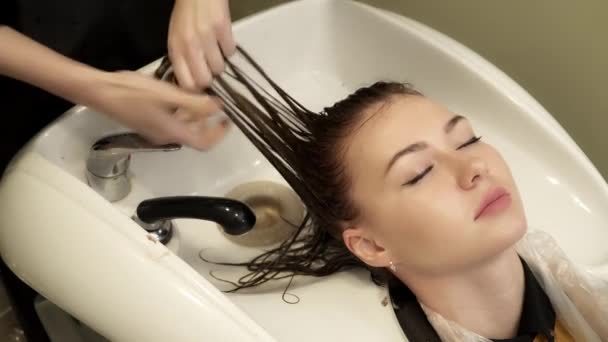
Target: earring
(392,266)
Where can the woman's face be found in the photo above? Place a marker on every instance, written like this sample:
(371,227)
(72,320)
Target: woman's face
(432,197)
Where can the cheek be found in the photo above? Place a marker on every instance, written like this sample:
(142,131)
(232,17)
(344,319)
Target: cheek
(413,226)
(497,166)
(499,170)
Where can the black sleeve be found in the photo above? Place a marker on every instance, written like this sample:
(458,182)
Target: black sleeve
(8,12)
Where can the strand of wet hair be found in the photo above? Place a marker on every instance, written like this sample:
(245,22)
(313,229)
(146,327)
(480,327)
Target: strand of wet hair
(287,261)
(274,127)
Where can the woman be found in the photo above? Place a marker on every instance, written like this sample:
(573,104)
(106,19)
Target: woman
(404,187)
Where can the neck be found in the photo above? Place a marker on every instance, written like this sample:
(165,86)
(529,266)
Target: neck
(486,299)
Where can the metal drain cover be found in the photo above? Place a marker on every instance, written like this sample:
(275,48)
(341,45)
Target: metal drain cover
(278,210)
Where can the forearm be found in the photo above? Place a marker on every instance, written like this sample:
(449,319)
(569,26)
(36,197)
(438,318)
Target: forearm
(28,61)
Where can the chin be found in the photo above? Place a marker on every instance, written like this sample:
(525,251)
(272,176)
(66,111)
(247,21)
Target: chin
(519,222)
(520,228)
(505,234)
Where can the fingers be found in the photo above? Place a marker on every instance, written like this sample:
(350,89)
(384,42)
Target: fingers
(197,65)
(199,104)
(147,106)
(226,39)
(157,126)
(191,129)
(214,57)
(182,72)
(183,116)
(200,35)
(171,96)
(224,33)
(204,59)
(190,125)
(196,62)
(201,137)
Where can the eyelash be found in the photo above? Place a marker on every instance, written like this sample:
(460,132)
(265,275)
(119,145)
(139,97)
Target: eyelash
(421,175)
(470,142)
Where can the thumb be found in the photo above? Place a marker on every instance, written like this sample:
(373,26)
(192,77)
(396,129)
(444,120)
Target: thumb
(183,133)
(180,98)
(200,104)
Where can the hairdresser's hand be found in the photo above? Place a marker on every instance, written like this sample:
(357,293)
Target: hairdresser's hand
(148,106)
(141,103)
(199,32)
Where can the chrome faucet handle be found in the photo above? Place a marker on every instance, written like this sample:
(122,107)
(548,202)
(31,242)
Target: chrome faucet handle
(109,159)
(109,156)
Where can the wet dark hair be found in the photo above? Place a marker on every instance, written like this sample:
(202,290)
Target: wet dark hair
(307,149)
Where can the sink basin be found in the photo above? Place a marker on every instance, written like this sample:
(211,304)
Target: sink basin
(87,256)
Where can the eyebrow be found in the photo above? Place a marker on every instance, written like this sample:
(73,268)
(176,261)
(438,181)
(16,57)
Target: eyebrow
(449,126)
(419,146)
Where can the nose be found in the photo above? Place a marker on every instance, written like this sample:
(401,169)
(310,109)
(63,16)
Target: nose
(469,171)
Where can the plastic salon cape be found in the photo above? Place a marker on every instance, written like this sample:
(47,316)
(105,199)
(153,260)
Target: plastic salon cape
(579,297)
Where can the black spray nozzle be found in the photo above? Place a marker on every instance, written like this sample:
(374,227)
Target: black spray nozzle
(235,217)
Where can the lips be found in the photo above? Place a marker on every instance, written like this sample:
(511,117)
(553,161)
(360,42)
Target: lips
(495,201)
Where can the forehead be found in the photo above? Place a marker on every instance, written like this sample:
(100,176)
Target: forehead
(392,125)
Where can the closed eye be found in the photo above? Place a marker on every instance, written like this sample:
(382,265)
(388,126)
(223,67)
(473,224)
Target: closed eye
(419,176)
(469,142)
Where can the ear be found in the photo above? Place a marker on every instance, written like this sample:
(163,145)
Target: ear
(365,247)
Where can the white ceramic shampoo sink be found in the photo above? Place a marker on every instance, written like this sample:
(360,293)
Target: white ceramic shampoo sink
(87,256)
